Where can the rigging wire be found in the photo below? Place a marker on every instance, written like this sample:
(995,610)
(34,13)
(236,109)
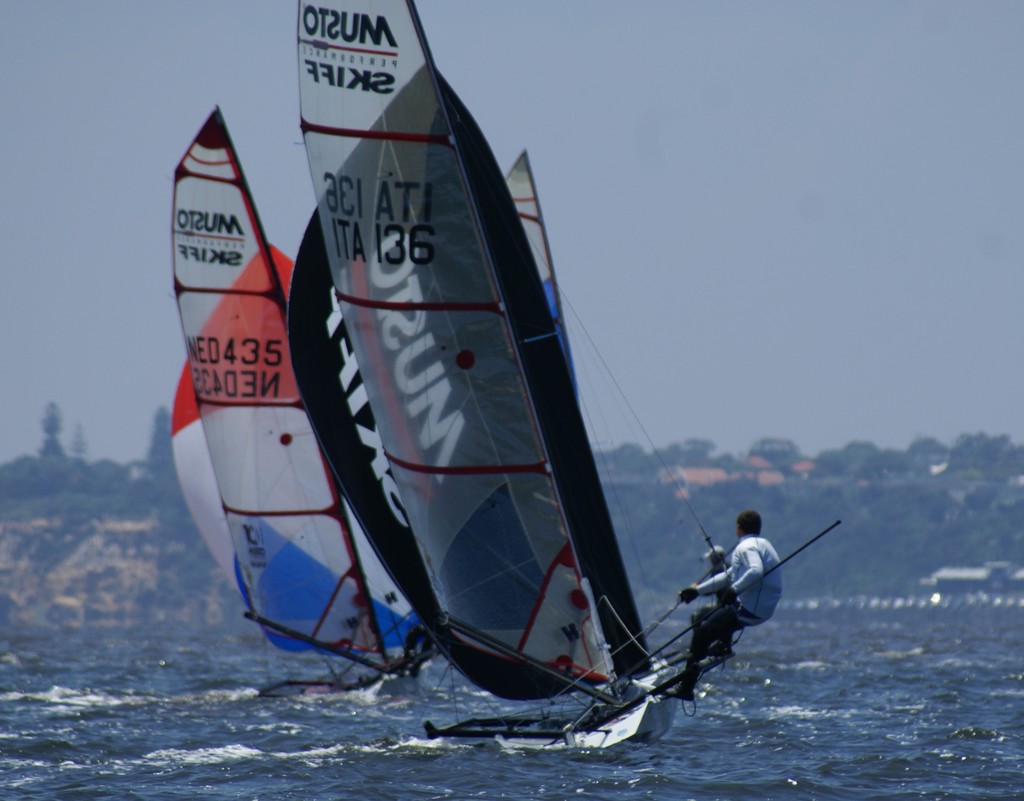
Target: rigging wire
(596,419)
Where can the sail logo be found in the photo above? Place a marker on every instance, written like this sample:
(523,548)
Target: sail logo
(419,367)
(254,541)
(401,241)
(336,26)
(194,221)
(335,75)
(354,390)
(229,258)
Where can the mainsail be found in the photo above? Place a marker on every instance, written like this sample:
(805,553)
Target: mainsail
(298,557)
(519,575)
(335,397)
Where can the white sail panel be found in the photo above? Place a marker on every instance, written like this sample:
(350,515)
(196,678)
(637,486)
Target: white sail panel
(351,62)
(523,189)
(211,162)
(197,478)
(214,236)
(266,460)
(524,195)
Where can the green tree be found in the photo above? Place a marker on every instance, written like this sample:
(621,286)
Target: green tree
(160,459)
(79,447)
(885,464)
(627,459)
(847,461)
(982,456)
(52,425)
(927,452)
(778,452)
(692,453)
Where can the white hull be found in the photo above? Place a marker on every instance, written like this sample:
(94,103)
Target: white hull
(646,723)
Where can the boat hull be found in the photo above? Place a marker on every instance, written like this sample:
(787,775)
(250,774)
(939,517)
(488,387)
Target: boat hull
(643,724)
(644,719)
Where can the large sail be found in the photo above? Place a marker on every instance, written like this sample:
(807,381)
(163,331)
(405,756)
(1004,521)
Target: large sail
(461,363)
(297,557)
(336,400)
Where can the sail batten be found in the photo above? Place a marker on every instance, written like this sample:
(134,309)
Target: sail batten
(369,303)
(393,136)
(467,470)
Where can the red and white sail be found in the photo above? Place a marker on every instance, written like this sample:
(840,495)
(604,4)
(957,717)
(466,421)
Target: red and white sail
(297,560)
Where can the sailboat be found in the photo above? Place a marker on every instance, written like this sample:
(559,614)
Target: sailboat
(331,385)
(306,572)
(507,552)
(523,188)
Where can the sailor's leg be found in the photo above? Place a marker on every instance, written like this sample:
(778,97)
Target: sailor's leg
(718,626)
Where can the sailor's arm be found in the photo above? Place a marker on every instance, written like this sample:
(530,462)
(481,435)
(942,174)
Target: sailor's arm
(706,587)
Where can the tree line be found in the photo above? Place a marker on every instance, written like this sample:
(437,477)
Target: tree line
(976,456)
(905,512)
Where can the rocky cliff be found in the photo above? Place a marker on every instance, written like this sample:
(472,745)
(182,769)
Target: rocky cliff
(112,571)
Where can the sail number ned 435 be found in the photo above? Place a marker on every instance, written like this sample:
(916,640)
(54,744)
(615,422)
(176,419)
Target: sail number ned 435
(228,369)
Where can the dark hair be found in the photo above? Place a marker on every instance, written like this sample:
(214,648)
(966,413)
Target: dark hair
(749,522)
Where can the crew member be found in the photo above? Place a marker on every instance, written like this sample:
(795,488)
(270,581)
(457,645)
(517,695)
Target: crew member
(748,591)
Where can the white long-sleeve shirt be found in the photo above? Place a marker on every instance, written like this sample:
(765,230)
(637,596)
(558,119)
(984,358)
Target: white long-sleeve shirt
(758,594)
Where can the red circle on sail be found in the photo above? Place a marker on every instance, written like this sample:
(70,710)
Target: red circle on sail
(359,600)
(579,600)
(465,359)
(286,439)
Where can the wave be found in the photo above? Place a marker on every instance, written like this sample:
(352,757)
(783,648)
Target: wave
(70,697)
(234,752)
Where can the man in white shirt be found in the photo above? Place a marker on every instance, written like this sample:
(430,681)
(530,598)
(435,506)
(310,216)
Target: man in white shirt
(749,591)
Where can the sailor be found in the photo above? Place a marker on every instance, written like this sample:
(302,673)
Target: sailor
(748,592)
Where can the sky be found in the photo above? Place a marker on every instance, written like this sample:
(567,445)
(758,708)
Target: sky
(785,219)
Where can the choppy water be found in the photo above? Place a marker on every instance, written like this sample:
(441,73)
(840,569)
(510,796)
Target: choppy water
(869,703)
